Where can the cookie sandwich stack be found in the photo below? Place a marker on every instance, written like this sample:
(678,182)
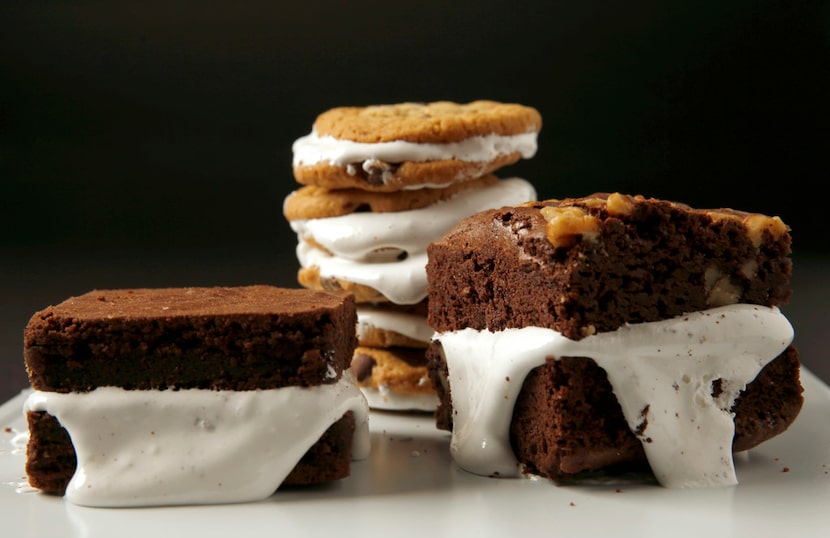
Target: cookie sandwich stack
(377,185)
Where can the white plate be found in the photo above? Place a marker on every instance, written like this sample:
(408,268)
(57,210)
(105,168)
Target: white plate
(410,487)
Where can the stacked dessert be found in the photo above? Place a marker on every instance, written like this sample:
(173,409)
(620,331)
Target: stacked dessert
(192,395)
(378,184)
(611,333)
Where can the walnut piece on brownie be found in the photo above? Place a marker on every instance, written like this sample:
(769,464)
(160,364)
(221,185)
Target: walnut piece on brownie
(191,393)
(613,283)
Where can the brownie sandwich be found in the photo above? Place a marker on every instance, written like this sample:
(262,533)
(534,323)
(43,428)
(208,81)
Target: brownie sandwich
(192,395)
(612,333)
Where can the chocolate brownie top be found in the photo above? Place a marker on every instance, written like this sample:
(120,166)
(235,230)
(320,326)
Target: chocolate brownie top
(582,217)
(237,338)
(155,303)
(583,265)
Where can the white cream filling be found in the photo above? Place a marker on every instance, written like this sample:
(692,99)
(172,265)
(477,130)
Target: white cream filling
(312,149)
(173,447)
(667,367)
(364,248)
(404,323)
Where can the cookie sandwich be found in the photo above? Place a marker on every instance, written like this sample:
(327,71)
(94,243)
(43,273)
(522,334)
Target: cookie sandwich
(377,185)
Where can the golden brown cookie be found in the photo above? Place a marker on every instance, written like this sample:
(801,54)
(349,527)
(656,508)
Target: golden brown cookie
(387,325)
(387,148)
(436,123)
(309,277)
(394,378)
(377,337)
(384,177)
(314,202)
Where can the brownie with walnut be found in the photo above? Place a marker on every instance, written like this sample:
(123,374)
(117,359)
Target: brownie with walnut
(586,265)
